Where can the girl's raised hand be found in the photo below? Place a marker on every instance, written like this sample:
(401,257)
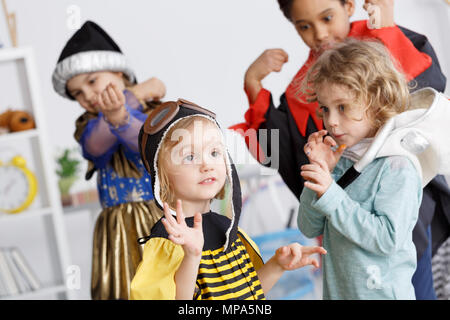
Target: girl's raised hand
(191,239)
(294,256)
(111,102)
(271,60)
(320,148)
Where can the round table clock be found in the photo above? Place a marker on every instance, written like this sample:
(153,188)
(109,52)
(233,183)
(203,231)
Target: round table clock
(18,186)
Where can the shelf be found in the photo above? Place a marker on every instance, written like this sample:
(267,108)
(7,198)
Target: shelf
(50,210)
(26,134)
(4,217)
(8,54)
(37,294)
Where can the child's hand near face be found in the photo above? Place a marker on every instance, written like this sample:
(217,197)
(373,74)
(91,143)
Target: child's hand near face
(270,60)
(152,89)
(191,239)
(111,102)
(318,177)
(320,148)
(294,256)
(381,13)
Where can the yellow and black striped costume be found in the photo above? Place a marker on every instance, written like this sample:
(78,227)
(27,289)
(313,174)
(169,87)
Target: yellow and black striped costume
(222,275)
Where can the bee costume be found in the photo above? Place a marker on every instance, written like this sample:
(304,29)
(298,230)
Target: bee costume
(230,258)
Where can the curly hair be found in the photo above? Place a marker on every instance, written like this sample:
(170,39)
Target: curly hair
(286,6)
(371,74)
(166,191)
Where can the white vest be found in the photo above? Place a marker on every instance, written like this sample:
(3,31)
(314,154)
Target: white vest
(422,134)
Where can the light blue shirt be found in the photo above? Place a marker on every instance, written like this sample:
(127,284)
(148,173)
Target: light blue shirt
(367,230)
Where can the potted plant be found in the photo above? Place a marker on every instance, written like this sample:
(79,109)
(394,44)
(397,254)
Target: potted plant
(67,171)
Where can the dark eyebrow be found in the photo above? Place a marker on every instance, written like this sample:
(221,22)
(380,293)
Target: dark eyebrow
(320,14)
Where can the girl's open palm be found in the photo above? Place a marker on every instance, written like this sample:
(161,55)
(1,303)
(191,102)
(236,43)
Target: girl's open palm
(191,239)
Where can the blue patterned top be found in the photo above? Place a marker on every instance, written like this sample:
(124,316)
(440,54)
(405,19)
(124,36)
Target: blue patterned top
(112,188)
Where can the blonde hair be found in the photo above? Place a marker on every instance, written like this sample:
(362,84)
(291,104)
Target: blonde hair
(167,144)
(371,74)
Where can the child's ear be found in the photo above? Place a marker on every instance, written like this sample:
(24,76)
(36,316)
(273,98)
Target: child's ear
(350,7)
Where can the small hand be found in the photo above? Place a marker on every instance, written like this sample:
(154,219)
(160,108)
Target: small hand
(294,256)
(381,13)
(320,148)
(191,239)
(271,60)
(111,102)
(318,177)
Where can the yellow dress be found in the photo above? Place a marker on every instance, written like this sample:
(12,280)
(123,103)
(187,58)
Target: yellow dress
(221,275)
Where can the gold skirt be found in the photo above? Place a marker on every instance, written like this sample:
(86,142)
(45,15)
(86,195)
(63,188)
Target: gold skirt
(116,252)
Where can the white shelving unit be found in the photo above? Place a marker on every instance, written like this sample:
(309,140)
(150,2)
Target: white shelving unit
(46,210)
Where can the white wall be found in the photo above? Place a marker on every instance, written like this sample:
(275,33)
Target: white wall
(199,48)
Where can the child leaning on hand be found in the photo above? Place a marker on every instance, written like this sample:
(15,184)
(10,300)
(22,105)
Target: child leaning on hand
(92,71)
